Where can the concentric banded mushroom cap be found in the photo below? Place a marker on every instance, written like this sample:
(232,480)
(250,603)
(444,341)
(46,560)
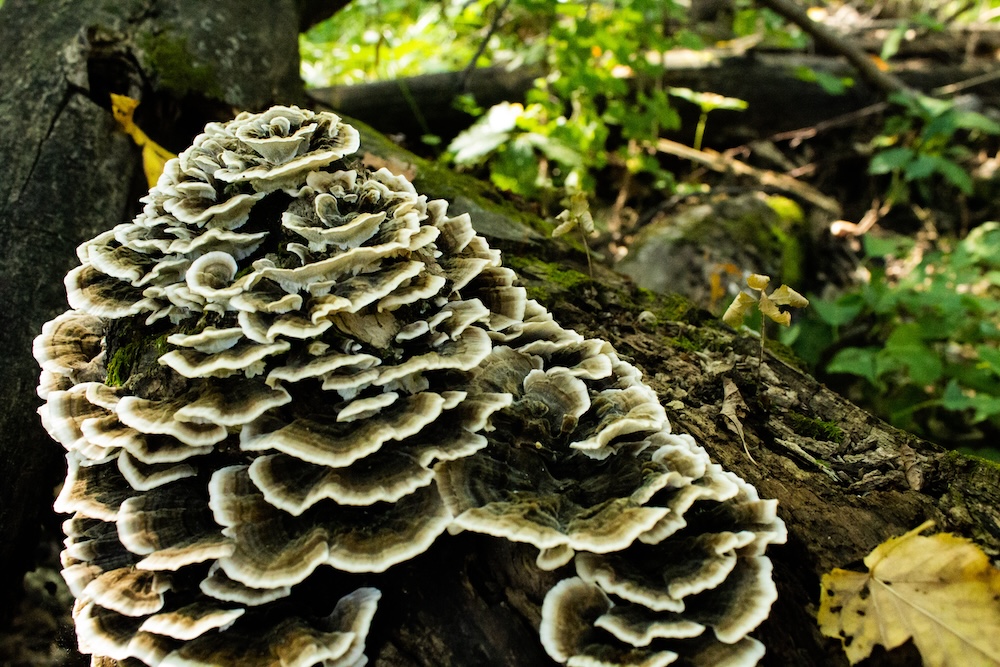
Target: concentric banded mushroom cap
(290,374)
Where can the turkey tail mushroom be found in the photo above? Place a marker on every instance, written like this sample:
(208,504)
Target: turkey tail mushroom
(285,367)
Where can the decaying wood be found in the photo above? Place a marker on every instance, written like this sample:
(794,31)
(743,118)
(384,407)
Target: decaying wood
(845,480)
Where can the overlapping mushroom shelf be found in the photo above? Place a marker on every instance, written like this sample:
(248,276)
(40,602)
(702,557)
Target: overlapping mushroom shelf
(287,366)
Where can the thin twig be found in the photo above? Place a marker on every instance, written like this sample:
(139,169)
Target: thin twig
(952,88)
(797,136)
(483,44)
(721,163)
(888,83)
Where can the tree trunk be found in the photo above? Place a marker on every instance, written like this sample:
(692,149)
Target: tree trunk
(845,481)
(69,173)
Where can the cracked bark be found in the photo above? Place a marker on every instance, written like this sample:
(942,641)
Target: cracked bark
(68,174)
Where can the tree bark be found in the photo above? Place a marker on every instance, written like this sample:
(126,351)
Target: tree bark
(845,481)
(68,173)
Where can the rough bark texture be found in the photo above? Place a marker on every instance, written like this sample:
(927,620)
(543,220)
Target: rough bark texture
(845,480)
(68,174)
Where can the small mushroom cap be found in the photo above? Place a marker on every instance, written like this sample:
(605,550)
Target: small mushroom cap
(171,527)
(128,591)
(70,346)
(63,416)
(568,614)
(294,485)
(232,402)
(219,586)
(96,491)
(540,518)
(145,476)
(243,357)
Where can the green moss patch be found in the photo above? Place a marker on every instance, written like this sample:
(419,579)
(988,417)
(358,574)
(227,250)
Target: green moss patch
(817,429)
(176,67)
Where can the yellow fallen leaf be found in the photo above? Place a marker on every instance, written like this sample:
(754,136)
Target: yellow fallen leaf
(940,590)
(154,156)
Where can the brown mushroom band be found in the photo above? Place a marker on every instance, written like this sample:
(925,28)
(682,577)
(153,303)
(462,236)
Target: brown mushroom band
(286,366)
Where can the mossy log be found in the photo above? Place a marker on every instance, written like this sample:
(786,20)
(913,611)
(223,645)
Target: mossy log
(845,480)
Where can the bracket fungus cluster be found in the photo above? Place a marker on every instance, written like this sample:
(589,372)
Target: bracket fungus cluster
(288,365)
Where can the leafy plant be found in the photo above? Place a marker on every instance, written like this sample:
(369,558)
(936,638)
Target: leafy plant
(707,103)
(921,146)
(922,335)
(602,81)
(766,303)
(375,39)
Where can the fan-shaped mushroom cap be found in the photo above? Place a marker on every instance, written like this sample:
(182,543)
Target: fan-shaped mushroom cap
(128,591)
(315,367)
(272,550)
(336,641)
(70,346)
(190,621)
(160,417)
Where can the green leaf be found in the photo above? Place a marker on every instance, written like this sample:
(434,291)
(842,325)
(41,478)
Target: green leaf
(486,135)
(556,150)
(886,246)
(955,175)
(515,169)
(839,312)
(984,405)
(932,106)
(890,46)
(858,361)
(990,356)
(905,346)
(889,160)
(830,83)
(971,120)
(709,101)
(921,167)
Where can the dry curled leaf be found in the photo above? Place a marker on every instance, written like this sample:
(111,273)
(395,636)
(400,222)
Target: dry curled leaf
(733,408)
(941,590)
(154,156)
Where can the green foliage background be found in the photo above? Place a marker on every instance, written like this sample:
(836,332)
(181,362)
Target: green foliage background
(916,338)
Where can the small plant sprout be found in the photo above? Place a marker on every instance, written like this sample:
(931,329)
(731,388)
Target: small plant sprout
(576,214)
(766,303)
(707,102)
